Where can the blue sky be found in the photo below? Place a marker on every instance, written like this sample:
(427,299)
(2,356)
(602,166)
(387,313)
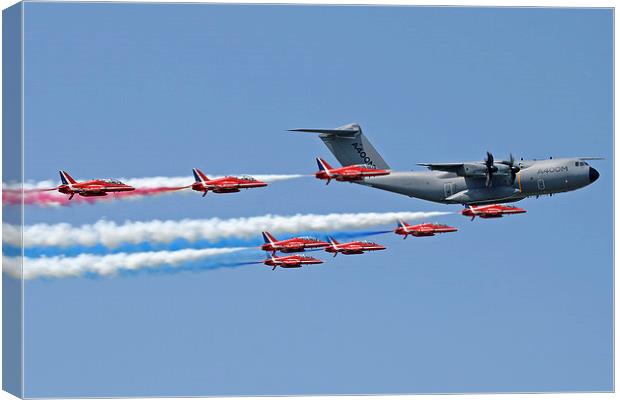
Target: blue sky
(132,90)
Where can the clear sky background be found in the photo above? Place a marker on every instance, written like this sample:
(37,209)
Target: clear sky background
(521,303)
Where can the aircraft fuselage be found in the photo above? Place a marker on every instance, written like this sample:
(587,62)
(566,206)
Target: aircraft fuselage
(536,178)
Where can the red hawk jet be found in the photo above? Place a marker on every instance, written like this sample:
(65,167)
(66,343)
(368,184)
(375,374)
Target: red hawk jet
(351,173)
(294,261)
(95,187)
(490,211)
(227,184)
(422,229)
(293,245)
(355,247)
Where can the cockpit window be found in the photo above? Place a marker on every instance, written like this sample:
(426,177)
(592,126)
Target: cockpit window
(114,181)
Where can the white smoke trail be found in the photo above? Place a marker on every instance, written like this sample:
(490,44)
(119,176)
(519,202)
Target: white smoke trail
(112,234)
(152,182)
(105,265)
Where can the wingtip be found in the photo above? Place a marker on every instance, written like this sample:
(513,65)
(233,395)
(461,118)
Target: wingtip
(302,130)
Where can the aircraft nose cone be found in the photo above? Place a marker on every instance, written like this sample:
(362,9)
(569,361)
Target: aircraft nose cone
(593,174)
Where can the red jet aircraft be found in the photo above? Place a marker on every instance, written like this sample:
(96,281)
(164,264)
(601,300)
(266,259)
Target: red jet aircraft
(294,261)
(227,184)
(349,173)
(95,187)
(355,247)
(292,245)
(490,211)
(422,229)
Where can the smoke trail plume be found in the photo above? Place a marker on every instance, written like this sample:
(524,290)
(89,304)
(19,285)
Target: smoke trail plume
(111,234)
(42,194)
(46,197)
(83,264)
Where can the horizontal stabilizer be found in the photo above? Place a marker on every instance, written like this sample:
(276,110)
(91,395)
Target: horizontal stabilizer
(338,132)
(349,145)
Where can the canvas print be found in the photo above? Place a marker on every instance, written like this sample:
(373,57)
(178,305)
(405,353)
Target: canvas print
(235,200)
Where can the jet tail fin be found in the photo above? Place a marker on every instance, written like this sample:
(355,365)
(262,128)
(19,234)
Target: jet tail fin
(199,176)
(268,237)
(349,145)
(402,224)
(65,178)
(323,165)
(332,241)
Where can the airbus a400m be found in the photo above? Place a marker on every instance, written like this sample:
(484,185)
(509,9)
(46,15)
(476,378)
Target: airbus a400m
(465,182)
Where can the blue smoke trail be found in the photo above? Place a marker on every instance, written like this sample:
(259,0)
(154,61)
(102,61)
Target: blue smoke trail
(185,268)
(180,244)
(236,260)
(252,256)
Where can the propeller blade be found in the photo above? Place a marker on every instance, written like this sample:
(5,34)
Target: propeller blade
(489,160)
(490,169)
(514,169)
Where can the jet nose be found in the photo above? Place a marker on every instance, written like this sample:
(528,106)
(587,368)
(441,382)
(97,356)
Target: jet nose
(593,174)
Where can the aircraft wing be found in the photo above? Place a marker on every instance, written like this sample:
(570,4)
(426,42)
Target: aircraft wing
(446,167)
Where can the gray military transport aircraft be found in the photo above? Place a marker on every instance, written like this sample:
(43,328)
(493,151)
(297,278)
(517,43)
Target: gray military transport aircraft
(469,183)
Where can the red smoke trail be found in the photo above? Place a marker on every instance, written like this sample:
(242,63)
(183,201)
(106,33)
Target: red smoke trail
(49,197)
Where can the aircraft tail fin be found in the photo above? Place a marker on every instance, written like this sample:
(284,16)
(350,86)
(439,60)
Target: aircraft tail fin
(268,237)
(349,145)
(65,178)
(402,224)
(199,176)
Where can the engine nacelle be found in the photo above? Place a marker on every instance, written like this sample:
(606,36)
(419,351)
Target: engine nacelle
(480,170)
(473,170)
